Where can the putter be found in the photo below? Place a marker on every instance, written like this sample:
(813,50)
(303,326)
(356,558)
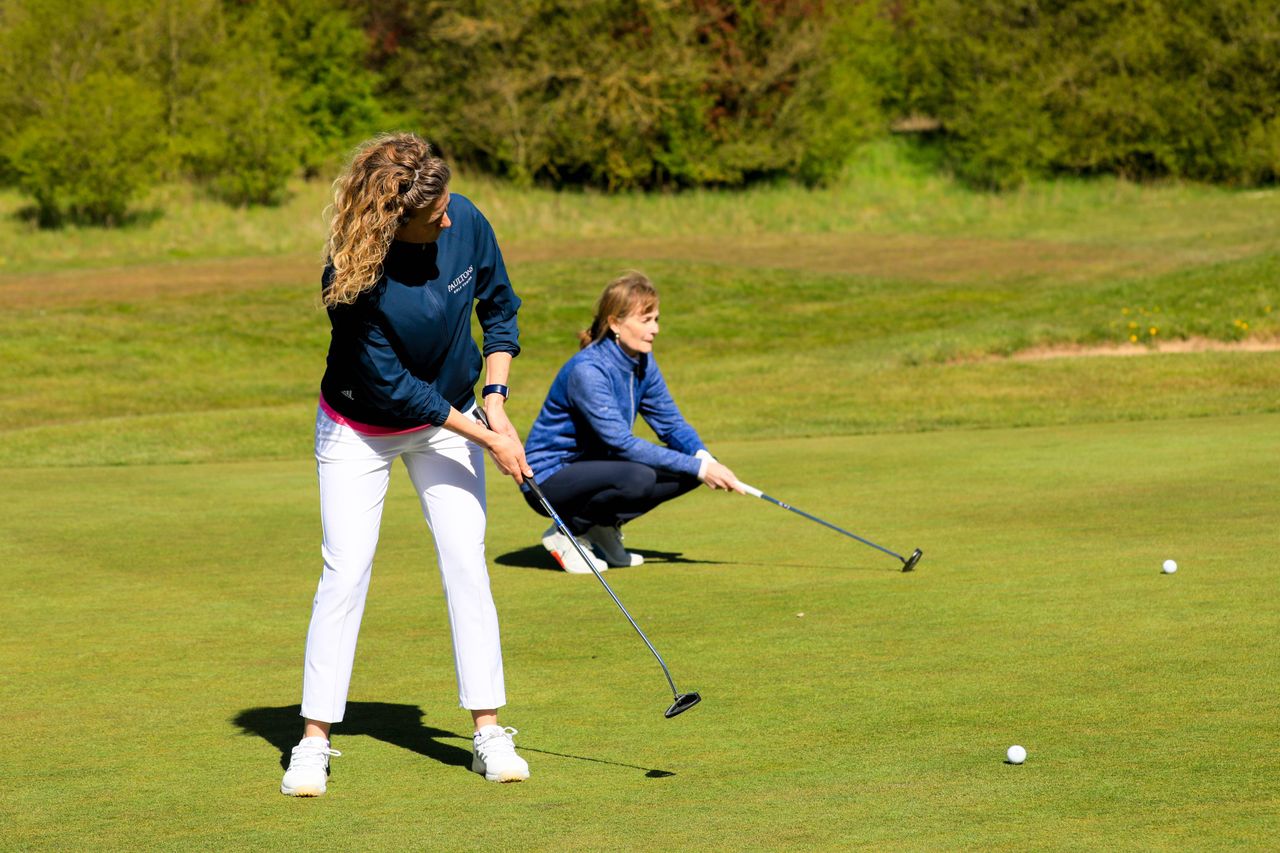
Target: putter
(908,563)
(681,701)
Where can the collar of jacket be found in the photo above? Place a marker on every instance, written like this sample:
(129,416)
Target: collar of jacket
(615,355)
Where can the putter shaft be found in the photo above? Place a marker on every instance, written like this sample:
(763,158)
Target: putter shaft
(908,565)
(560,525)
(681,701)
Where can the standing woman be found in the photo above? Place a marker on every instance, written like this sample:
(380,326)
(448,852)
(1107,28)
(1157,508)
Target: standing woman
(407,260)
(592,469)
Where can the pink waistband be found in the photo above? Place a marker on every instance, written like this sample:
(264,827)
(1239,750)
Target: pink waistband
(364,429)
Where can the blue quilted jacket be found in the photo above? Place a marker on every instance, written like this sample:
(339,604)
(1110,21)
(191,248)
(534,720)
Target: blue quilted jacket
(592,407)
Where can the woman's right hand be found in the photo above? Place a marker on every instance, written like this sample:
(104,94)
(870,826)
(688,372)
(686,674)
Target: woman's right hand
(718,476)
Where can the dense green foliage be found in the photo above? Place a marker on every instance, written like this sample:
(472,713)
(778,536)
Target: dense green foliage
(130,92)
(242,96)
(1142,89)
(91,150)
(627,93)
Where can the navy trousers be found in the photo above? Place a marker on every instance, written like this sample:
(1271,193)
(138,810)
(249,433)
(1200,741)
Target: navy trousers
(608,492)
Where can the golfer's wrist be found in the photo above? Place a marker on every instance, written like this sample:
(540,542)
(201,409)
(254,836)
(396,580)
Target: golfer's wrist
(703,465)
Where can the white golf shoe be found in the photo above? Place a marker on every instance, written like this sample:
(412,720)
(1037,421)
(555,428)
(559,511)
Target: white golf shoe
(495,755)
(608,542)
(308,772)
(561,548)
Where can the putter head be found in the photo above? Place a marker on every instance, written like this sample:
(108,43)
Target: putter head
(910,563)
(684,701)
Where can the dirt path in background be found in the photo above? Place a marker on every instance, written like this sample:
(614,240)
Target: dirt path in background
(135,284)
(1189,345)
(910,257)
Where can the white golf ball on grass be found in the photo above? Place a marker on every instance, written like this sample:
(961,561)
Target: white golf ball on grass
(1016,754)
(1169,567)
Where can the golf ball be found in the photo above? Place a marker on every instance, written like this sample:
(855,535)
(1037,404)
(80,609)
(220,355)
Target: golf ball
(1016,754)
(1169,567)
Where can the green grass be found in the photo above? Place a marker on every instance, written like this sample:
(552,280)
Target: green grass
(230,375)
(157,614)
(843,349)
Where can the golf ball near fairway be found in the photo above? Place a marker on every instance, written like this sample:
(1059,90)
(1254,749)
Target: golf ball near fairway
(1170,567)
(1016,754)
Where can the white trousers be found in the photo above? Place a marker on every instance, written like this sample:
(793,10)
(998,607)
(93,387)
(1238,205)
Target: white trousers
(448,474)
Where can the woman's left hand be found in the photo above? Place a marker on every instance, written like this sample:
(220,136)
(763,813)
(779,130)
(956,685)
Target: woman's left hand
(501,424)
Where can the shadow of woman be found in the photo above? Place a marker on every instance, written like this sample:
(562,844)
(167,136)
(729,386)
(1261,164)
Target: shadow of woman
(399,725)
(396,724)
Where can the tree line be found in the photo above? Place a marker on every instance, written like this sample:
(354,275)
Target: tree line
(104,99)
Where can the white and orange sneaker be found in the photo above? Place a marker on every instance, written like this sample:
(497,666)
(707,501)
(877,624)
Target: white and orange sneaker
(561,549)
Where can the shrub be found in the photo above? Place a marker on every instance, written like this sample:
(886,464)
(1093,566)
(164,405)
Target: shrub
(93,149)
(234,95)
(240,136)
(1141,89)
(320,54)
(632,93)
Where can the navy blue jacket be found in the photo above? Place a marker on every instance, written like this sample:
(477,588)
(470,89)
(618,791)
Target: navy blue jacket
(591,409)
(402,353)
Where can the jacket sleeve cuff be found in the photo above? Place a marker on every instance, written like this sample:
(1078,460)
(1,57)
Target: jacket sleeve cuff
(501,346)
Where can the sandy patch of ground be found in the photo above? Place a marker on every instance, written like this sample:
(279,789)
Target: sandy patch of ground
(1111,350)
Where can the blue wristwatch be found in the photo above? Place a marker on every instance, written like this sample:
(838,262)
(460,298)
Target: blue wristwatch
(494,389)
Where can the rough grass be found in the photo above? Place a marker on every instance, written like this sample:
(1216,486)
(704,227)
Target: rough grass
(205,367)
(889,191)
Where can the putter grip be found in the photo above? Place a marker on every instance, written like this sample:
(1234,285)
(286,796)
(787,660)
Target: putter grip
(751,490)
(482,417)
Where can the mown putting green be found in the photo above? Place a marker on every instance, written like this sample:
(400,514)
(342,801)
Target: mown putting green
(156,618)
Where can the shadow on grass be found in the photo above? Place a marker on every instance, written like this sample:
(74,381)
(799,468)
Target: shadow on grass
(536,557)
(396,724)
(399,725)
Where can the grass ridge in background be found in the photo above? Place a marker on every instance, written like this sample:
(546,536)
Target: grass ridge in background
(887,189)
(232,373)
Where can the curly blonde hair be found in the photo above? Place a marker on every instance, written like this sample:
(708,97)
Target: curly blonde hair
(629,293)
(389,177)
